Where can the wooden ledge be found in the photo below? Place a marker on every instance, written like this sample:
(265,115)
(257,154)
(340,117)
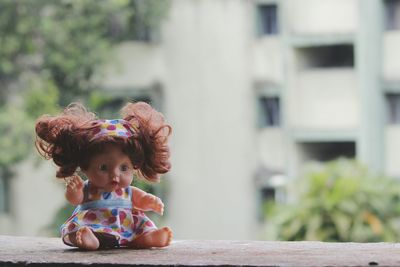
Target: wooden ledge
(33,251)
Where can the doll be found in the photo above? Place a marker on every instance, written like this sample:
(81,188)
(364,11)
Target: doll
(109,212)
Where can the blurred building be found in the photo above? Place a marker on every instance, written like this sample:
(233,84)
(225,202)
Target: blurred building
(254,89)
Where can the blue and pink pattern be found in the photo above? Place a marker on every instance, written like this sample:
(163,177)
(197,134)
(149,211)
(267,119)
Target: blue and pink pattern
(117,127)
(125,224)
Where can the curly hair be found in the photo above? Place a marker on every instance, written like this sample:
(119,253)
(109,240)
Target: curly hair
(67,138)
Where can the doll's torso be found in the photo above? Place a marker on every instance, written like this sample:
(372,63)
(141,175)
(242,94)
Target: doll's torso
(108,213)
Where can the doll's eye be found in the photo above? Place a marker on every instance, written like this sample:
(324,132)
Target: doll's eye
(103,167)
(124,168)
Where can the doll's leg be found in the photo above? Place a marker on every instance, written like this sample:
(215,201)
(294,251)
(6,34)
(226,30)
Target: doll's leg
(157,238)
(85,239)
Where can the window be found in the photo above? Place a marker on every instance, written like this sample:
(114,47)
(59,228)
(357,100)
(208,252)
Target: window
(393,108)
(267,19)
(392,14)
(139,23)
(326,151)
(275,194)
(269,111)
(268,194)
(329,56)
(270,189)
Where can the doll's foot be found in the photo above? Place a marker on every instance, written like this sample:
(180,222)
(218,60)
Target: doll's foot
(157,238)
(85,239)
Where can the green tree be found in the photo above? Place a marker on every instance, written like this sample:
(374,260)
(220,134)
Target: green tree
(18,21)
(52,51)
(339,201)
(67,41)
(15,131)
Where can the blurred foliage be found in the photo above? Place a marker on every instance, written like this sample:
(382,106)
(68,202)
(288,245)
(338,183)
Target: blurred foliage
(97,100)
(67,41)
(73,44)
(17,120)
(18,21)
(338,201)
(60,217)
(144,185)
(15,130)
(52,53)
(41,99)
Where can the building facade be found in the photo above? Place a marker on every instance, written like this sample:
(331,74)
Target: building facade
(254,89)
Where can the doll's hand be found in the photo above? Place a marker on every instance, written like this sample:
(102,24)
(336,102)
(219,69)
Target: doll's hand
(74,184)
(158,205)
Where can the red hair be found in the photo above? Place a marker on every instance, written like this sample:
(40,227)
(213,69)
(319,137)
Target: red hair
(67,139)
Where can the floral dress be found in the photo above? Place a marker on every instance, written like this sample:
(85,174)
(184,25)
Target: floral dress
(108,213)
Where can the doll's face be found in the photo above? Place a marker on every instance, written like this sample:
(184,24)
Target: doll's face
(111,169)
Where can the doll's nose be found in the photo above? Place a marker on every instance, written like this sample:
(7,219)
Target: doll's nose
(114,176)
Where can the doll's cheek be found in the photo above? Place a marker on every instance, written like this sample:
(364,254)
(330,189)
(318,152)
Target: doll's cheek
(97,179)
(127,181)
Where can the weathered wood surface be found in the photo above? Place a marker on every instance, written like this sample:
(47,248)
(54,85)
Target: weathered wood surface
(32,251)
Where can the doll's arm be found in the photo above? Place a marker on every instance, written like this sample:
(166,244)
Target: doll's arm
(146,202)
(74,192)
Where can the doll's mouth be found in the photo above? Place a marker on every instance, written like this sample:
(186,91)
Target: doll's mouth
(114,183)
